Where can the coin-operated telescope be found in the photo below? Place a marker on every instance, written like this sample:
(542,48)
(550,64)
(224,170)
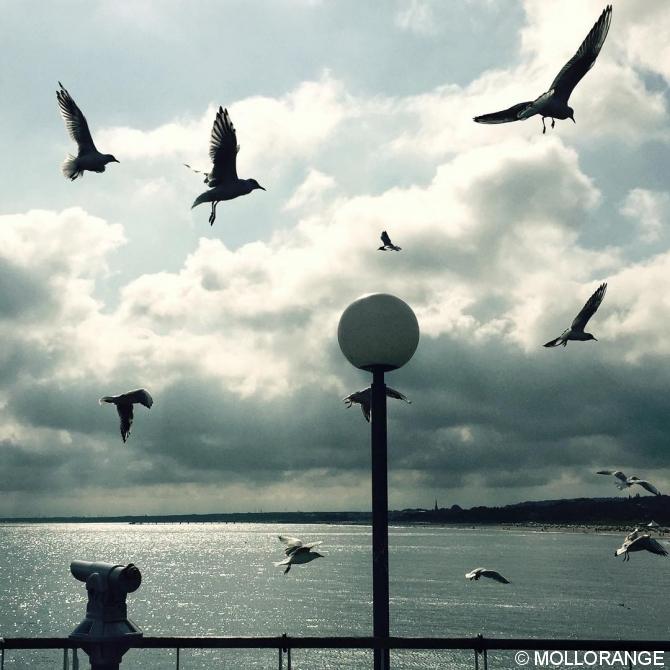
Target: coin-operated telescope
(106,632)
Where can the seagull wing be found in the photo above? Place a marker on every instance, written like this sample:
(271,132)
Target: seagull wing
(614,473)
(392,393)
(292,544)
(141,396)
(583,60)
(650,544)
(648,486)
(515,113)
(75,121)
(473,573)
(365,408)
(386,240)
(223,148)
(494,575)
(311,545)
(589,308)
(125,411)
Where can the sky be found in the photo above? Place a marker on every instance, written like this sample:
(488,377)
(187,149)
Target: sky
(356,118)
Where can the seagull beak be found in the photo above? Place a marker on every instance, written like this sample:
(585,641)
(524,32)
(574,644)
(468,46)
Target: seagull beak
(259,186)
(573,120)
(595,338)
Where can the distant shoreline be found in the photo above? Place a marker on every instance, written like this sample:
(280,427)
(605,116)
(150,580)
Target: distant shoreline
(575,515)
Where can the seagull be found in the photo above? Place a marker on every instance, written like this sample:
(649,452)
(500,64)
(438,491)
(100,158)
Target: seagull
(483,572)
(223,182)
(576,330)
(362,398)
(554,103)
(388,245)
(88,157)
(626,482)
(641,543)
(124,406)
(297,552)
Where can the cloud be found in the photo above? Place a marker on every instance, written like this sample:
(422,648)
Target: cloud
(270,131)
(650,209)
(416,16)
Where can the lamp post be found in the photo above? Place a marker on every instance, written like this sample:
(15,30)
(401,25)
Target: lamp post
(379,333)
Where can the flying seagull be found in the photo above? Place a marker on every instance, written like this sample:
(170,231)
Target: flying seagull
(641,543)
(626,482)
(387,244)
(223,182)
(554,103)
(576,330)
(483,572)
(88,157)
(297,552)
(362,398)
(124,406)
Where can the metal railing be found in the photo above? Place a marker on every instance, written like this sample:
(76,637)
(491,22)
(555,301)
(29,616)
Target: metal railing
(480,645)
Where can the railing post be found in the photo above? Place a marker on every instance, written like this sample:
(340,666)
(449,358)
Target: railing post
(177,666)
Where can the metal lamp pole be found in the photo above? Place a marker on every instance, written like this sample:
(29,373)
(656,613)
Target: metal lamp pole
(378,333)
(380,531)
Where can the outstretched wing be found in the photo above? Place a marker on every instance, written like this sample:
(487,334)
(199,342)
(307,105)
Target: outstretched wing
(583,60)
(141,396)
(589,308)
(386,240)
(495,575)
(650,544)
(292,544)
(648,486)
(75,121)
(125,411)
(614,473)
(223,148)
(515,113)
(392,393)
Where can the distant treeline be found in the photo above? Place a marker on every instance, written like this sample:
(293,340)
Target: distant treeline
(579,511)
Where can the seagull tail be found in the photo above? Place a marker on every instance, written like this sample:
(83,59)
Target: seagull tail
(203,197)
(70,168)
(553,343)
(105,398)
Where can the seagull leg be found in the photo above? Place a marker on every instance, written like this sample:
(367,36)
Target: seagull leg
(553,122)
(544,128)
(212,216)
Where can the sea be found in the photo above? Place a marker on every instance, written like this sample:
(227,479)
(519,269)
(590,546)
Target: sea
(219,579)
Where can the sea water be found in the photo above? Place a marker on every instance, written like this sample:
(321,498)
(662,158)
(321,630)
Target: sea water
(218,579)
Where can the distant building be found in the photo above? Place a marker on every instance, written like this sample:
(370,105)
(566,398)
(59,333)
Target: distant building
(436,508)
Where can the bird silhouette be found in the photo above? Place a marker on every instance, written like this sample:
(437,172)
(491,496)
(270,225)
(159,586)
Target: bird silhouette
(554,103)
(387,244)
(362,398)
(477,573)
(223,182)
(297,552)
(576,330)
(640,543)
(88,157)
(124,406)
(626,482)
